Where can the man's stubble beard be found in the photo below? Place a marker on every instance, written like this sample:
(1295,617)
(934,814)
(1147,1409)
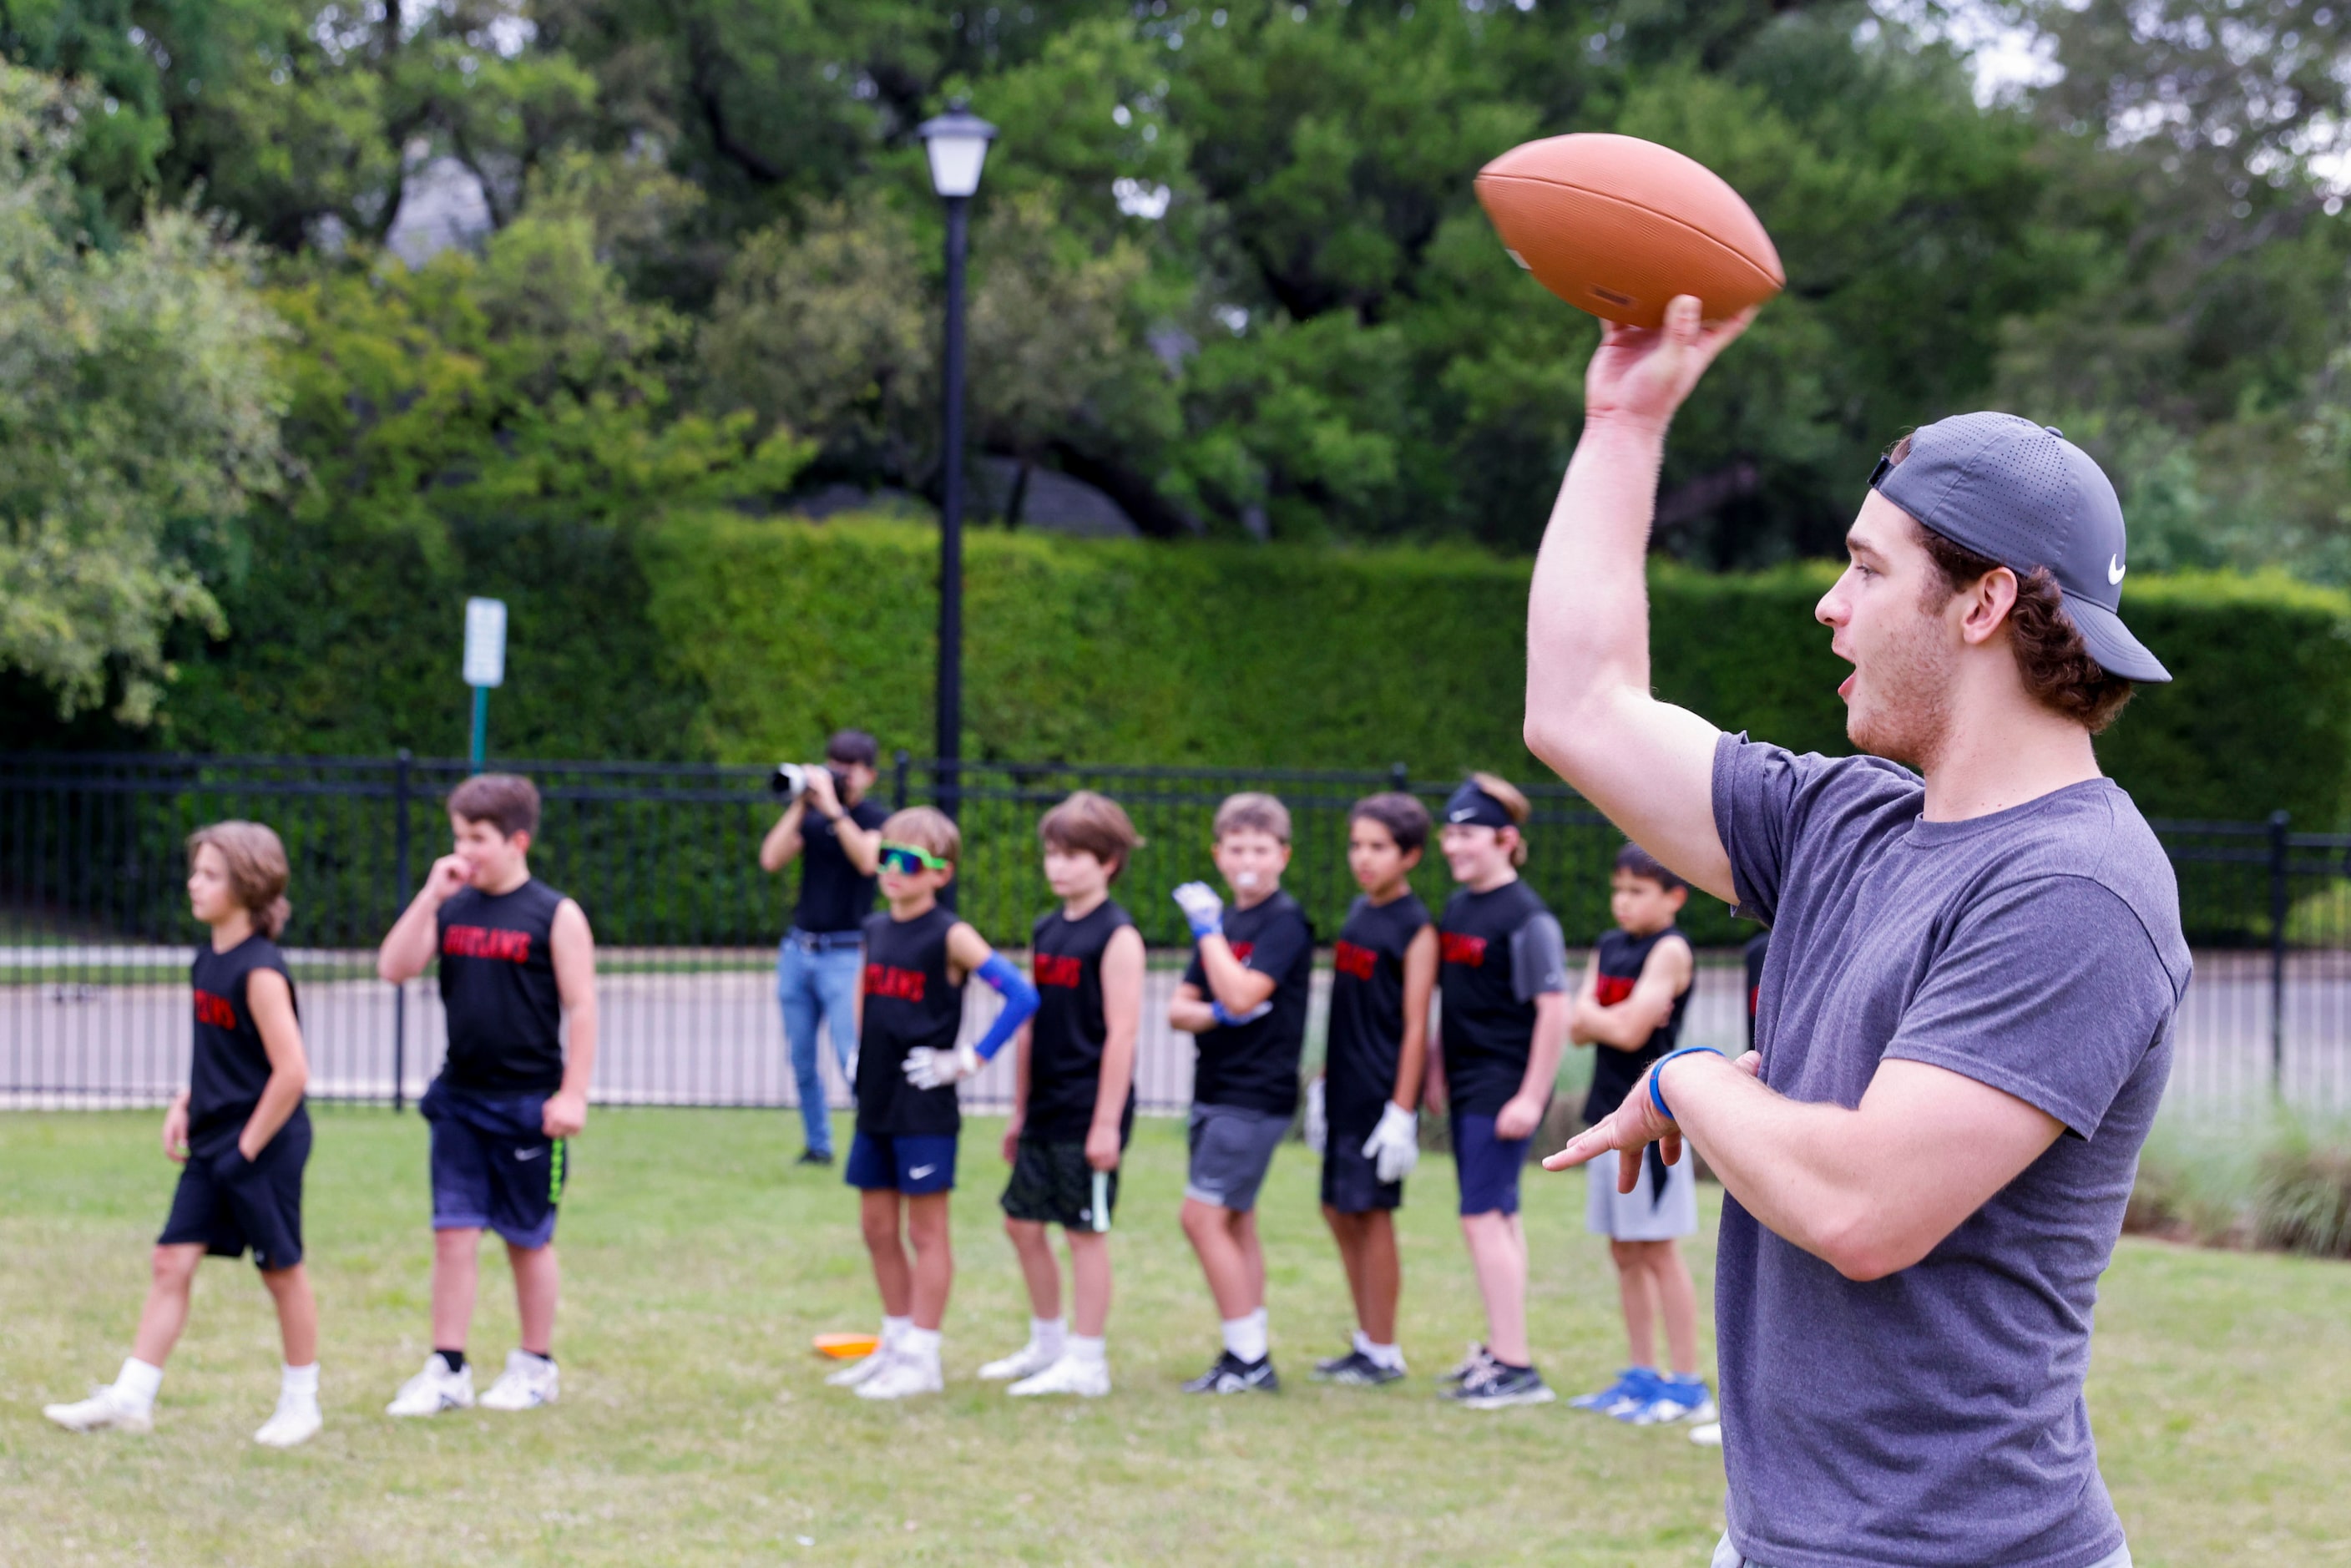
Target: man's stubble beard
(1907,718)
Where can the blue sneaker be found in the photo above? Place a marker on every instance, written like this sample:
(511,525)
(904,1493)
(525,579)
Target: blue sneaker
(1635,1387)
(1673,1399)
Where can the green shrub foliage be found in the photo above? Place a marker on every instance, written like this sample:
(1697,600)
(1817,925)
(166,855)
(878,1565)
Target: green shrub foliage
(716,636)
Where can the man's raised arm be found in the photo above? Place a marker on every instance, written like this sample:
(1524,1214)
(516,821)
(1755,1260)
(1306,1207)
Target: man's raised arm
(1648,765)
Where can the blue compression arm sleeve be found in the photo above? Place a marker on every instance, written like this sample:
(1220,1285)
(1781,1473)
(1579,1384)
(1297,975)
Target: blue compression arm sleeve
(1019,1004)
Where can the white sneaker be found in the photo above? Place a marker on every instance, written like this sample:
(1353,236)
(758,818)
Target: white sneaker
(296,1421)
(1027,1361)
(104,1411)
(905,1375)
(858,1371)
(1088,1379)
(528,1383)
(434,1389)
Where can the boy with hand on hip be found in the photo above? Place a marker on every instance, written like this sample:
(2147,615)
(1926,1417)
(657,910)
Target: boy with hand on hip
(1074,1104)
(902,1158)
(1244,995)
(241,1136)
(1630,1009)
(1504,973)
(1363,1114)
(518,984)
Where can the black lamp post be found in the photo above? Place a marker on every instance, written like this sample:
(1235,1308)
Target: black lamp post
(957,143)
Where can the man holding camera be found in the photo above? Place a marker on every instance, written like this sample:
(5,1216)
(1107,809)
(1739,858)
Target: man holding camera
(836,832)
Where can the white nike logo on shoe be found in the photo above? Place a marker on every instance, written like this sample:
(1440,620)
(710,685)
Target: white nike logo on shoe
(2115,568)
(919,1172)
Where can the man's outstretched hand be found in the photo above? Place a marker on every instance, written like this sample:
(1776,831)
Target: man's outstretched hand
(1641,374)
(1633,1127)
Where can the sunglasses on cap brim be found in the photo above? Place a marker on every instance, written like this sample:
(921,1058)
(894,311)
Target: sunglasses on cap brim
(907,860)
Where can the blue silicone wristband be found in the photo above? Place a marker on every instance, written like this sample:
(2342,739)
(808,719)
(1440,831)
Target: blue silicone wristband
(1657,1099)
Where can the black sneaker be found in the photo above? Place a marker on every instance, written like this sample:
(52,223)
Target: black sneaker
(1476,1361)
(814,1158)
(1498,1387)
(1231,1374)
(1356,1370)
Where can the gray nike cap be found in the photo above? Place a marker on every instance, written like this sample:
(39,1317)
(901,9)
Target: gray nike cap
(2022,494)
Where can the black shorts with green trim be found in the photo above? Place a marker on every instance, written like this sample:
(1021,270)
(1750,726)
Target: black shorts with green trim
(1053,1184)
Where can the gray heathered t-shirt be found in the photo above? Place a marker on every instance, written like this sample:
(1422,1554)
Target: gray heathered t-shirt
(1935,1418)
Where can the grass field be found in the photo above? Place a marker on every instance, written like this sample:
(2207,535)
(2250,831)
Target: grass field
(694,1425)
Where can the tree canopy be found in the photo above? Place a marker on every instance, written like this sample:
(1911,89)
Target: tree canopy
(1228,263)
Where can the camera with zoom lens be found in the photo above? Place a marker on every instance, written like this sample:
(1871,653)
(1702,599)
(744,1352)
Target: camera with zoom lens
(790,780)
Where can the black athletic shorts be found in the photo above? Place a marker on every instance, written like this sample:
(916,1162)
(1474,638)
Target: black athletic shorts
(229,1204)
(493,1165)
(1351,1183)
(1053,1184)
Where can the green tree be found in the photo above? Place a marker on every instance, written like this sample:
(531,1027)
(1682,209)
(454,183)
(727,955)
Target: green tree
(138,415)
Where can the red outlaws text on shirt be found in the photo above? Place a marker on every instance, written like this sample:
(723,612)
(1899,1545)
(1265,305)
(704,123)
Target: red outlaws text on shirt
(1610,989)
(1059,969)
(215,1010)
(899,985)
(485,942)
(1359,962)
(1469,952)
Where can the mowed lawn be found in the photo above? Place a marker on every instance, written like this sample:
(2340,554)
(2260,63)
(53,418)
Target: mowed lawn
(695,1426)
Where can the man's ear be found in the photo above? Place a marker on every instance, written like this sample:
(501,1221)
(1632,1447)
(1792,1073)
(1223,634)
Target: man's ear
(1986,603)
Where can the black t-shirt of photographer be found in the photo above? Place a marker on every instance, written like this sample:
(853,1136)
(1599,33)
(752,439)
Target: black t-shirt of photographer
(833,896)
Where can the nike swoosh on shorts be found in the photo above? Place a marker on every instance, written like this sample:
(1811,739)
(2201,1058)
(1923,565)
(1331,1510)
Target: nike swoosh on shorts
(529,1153)
(919,1172)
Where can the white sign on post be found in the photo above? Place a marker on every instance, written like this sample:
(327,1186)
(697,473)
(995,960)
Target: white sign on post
(486,641)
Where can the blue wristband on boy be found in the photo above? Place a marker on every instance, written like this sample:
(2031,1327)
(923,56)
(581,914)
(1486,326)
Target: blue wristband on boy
(1020,1002)
(1657,1099)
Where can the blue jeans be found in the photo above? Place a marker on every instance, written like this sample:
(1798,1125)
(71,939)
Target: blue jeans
(814,988)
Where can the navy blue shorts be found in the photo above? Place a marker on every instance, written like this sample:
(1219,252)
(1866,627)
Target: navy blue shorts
(1351,1182)
(494,1168)
(913,1163)
(1489,1166)
(228,1204)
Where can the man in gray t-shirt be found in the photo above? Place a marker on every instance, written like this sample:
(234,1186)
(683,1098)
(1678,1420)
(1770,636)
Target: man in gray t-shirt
(1964,1022)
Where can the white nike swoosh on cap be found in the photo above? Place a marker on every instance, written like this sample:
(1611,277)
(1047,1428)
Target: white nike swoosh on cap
(1462,815)
(919,1172)
(2115,568)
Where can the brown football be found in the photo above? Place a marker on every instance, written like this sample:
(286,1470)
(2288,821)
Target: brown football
(1617,227)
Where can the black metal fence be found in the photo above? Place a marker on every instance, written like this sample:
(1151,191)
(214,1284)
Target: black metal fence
(94,934)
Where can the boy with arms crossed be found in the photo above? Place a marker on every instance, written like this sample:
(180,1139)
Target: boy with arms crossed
(240,1132)
(1631,1008)
(1368,1126)
(1245,997)
(1074,1104)
(1504,979)
(518,985)
(902,1158)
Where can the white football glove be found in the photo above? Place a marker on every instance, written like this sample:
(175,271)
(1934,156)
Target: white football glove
(1394,1145)
(929,1068)
(1318,1122)
(1202,910)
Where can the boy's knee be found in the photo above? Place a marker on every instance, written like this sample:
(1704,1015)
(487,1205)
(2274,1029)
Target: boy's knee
(175,1266)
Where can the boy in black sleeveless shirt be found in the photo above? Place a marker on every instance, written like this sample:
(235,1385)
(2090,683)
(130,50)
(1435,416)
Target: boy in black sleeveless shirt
(1630,1009)
(519,986)
(1503,970)
(1073,1106)
(1363,1114)
(1244,996)
(902,1158)
(241,1135)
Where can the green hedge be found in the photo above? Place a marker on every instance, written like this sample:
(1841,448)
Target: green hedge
(738,639)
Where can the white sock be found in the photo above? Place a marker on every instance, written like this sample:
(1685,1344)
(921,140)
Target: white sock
(137,1383)
(1049,1335)
(298,1383)
(1245,1337)
(1378,1354)
(894,1330)
(922,1344)
(1088,1352)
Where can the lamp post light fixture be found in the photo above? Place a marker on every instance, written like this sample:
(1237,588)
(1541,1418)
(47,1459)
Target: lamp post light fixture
(956,144)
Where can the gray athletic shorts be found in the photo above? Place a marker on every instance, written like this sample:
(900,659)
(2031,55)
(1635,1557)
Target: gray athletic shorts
(1726,1555)
(1230,1150)
(1631,1215)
